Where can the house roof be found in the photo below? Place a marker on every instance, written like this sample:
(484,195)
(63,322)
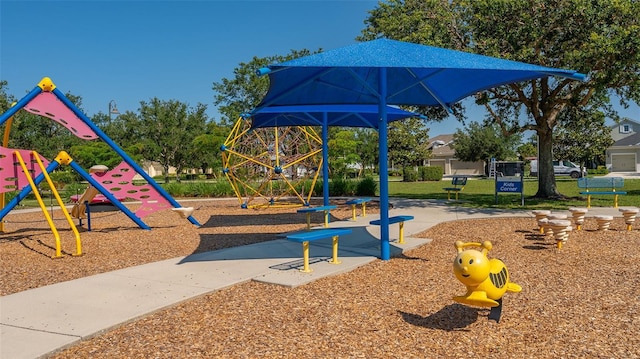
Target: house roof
(623,121)
(633,140)
(440,145)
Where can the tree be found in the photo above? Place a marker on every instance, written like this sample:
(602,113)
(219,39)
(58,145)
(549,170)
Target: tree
(599,37)
(582,136)
(407,141)
(93,153)
(368,148)
(168,132)
(5,99)
(343,146)
(528,149)
(482,143)
(244,92)
(207,147)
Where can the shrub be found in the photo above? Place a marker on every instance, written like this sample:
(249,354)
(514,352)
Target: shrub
(73,189)
(601,170)
(366,187)
(337,187)
(431,173)
(341,187)
(175,189)
(409,174)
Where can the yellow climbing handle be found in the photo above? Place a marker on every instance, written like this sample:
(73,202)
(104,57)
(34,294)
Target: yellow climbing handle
(486,245)
(41,203)
(60,202)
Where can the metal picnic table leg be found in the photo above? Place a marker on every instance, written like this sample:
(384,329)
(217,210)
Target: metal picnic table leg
(401,239)
(353,211)
(335,251)
(305,256)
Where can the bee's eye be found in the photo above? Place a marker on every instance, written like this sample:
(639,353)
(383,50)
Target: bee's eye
(470,261)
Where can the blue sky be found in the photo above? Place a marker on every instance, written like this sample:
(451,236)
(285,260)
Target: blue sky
(132,51)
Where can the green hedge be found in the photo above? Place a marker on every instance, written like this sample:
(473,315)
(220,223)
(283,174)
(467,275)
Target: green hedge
(431,173)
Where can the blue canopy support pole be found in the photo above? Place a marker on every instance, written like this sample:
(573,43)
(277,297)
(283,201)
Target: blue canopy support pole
(384,170)
(119,151)
(20,104)
(26,190)
(114,201)
(325,157)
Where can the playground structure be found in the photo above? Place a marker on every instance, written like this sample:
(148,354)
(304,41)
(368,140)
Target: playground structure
(270,166)
(23,170)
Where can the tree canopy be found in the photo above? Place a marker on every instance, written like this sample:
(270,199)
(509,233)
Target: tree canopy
(599,38)
(168,132)
(482,143)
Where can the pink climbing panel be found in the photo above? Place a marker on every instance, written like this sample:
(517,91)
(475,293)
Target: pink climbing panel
(48,105)
(119,182)
(12,177)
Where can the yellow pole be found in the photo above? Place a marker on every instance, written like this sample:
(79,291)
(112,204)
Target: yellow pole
(277,148)
(401,239)
(335,251)
(41,203)
(326,218)
(62,157)
(305,257)
(353,211)
(364,209)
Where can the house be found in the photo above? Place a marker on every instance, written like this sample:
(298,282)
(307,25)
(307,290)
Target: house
(624,154)
(443,155)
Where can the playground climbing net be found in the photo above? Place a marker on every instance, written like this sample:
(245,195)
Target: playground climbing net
(276,166)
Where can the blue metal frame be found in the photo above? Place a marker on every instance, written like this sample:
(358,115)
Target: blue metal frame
(114,201)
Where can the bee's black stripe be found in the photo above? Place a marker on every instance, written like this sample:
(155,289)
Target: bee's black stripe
(499,279)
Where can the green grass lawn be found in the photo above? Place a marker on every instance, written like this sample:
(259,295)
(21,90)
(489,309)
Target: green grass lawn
(481,193)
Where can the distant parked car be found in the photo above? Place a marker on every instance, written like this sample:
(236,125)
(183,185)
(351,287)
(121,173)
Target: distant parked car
(561,168)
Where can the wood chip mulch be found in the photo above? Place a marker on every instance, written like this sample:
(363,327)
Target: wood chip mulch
(581,301)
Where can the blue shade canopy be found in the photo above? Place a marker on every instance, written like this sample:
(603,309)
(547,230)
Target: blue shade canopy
(386,72)
(416,75)
(336,115)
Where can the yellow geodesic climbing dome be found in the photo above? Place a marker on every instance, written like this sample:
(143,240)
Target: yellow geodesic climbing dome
(272,166)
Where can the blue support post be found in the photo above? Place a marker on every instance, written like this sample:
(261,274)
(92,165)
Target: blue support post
(109,196)
(122,154)
(88,211)
(384,170)
(325,158)
(20,104)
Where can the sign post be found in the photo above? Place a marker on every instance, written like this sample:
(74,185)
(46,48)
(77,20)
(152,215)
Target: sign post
(512,183)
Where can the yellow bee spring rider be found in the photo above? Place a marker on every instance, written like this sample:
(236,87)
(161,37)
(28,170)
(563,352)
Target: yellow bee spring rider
(487,280)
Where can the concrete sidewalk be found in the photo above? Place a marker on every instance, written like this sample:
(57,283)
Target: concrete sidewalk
(38,322)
